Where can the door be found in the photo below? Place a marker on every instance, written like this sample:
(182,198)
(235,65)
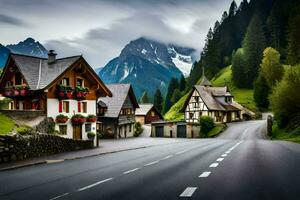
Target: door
(229,118)
(181,131)
(159,130)
(77,132)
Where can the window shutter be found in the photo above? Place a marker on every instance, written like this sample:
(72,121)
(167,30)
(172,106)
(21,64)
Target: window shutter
(60,106)
(79,106)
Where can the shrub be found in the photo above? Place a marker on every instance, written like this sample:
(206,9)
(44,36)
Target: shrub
(25,130)
(91,135)
(138,129)
(51,125)
(207,124)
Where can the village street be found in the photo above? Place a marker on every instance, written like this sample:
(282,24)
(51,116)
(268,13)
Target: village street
(239,164)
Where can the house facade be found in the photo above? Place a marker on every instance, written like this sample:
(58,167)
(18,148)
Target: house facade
(147,113)
(116,114)
(215,102)
(65,89)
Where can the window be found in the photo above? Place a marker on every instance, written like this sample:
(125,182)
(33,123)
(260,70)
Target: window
(63,129)
(126,111)
(88,127)
(152,113)
(101,111)
(79,82)
(191,115)
(65,106)
(84,107)
(65,81)
(196,99)
(8,84)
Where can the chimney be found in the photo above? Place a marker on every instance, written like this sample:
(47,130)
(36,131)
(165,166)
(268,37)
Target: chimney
(51,57)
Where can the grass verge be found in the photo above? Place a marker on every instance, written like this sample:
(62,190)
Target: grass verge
(281,134)
(6,124)
(219,128)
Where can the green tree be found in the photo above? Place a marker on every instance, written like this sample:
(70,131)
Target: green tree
(158,101)
(294,40)
(206,124)
(261,92)
(144,98)
(182,83)
(173,85)
(271,68)
(285,99)
(176,96)
(238,68)
(253,45)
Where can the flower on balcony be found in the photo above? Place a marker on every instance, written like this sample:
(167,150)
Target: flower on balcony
(64,92)
(78,119)
(17,90)
(81,92)
(91,118)
(61,118)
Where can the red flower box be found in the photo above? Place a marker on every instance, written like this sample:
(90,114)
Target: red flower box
(69,94)
(16,92)
(8,93)
(91,119)
(78,119)
(61,119)
(23,92)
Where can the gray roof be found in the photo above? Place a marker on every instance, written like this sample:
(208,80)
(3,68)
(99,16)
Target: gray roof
(205,81)
(38,73)
(114,104)
(208,95)
(143,109)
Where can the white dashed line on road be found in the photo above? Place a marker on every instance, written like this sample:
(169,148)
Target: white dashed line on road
(167,157)
(224,155)
(214,165)
(220,159)
(93,185)
(188,192)
(152,163)
(65,194)
(129,171)
(227,152)
(181,152)
(204,174)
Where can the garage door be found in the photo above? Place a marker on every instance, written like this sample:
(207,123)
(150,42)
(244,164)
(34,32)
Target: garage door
(181,131)
(159,130)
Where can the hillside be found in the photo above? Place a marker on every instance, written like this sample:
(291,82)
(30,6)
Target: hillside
(242,96)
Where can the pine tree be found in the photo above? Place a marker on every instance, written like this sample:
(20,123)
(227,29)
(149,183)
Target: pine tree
(253,45)
(176,96)
(294,40)
(182,83)
(233,9)
(144,98)
(271,68)
(173,85)
(158,101)
(261,92)
(238,68)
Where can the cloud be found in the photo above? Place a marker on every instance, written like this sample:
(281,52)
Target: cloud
(5,19)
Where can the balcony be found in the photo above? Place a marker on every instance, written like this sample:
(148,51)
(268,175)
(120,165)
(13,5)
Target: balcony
(80,93)
(17,91)
(64,92)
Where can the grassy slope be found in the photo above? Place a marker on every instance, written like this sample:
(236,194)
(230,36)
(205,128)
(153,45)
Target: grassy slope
(280,134)
(6,124)
(242,96)
(219,128)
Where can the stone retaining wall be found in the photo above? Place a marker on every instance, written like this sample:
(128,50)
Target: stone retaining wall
(13,148)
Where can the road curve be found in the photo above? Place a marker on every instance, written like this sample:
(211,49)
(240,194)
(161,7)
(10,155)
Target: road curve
(239,164)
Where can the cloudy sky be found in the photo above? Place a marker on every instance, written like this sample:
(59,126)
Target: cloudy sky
(99,29)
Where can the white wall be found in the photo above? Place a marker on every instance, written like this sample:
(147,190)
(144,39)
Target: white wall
(53,111)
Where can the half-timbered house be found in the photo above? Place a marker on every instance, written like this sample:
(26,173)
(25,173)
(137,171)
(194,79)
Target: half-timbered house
(65,89)
(117,113)
(215,102)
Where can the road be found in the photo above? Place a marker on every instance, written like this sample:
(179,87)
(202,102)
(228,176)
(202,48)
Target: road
(239,164)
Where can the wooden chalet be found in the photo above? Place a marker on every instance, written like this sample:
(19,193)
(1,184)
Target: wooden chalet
(117,113)
(61,88)
(147,113)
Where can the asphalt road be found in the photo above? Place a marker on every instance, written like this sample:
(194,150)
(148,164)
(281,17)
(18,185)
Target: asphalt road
(240,164)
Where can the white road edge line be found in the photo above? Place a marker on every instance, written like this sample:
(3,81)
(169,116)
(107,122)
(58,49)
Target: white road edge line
(214,165)
(129,171)
(220,159)
(152,163)
(188,192)
(204,174)
(224,155)
(93,185)
(57,197)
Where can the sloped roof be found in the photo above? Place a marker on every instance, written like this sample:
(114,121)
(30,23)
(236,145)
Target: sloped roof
(119,94)
(143,109)
(38,73)
(209,94)
(205,81)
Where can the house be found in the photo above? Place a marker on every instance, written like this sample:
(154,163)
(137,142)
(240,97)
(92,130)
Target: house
(147,113)
(216,102)
(65,90)
(117,113)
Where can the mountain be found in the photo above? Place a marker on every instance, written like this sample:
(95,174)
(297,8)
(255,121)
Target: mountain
(148,65)
(27,47)
(4,52)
